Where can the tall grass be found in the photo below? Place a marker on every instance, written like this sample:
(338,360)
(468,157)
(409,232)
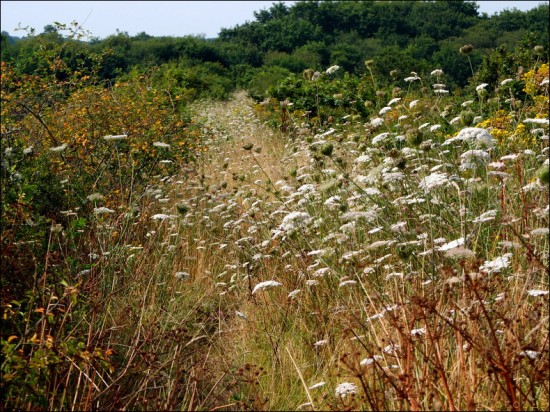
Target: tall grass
(409,269)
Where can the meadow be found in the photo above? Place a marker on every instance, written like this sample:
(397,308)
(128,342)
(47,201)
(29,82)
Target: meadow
(332,245)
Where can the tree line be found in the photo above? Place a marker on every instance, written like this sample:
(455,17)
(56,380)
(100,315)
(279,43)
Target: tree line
(406,35)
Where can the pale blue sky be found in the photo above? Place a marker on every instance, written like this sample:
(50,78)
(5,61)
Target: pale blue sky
(158,18)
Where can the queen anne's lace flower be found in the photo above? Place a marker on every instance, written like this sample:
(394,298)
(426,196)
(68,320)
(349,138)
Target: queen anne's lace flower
(480,137)
(451,245)
(265,285)
(371,360)
(345,389)
(182,275)
(485,217)
(535,121)
(294,220)
(332,69)
(103,210)
(536,292)
(59,148)
(434,180)
(161,216)
(317,385)
(380,138)
(497,264)
(377,121)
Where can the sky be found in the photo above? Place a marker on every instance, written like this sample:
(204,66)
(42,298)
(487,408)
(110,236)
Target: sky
(158,18)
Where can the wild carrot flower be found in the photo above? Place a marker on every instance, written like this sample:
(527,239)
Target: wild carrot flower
(451,245)
(411,79)
(460,253)
(535,121)
(58,148)
(294,293)
(241,315)
(380,138)
(531,354)
(473,157)
(419,331)
(371,360)
(377,121)
(294,220)
(540,231)
(332,69)
(182,275)
(161,216)
(344,389)
(434,180)
(485,217)
(94,197)
(478,136)
(265,285)
(497,264)
(317,385)
(103,210)
(537,292)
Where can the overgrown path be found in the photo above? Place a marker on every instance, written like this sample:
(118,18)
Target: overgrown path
(241,141)
(228,202)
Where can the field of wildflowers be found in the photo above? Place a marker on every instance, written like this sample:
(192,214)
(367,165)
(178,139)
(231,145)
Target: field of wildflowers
(397,263)
(389,251)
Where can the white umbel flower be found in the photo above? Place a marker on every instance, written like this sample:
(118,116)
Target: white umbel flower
(161,216)
(434,180)
(451,245)
(332,69)
(103,210)
(182,275)
(294,220)
(480,137)
(58,148)
(536,292)
(370,361)
(345,389)
(317,385)
(535,121)
(265,285)
(497,264)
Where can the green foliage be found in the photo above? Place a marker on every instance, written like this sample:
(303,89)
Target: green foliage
(75,151)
